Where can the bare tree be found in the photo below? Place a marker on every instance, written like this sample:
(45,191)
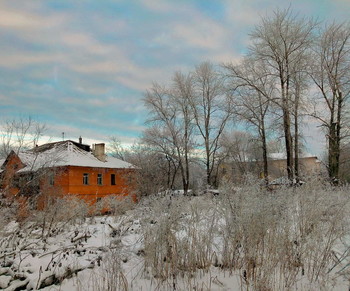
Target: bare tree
(151,165)
(170,109)
(243,153)
(212,109)
(18,134)
(252,92)
(154,156)
(282,41)
(300,81)
(331,74)
(116,149)
(157,139)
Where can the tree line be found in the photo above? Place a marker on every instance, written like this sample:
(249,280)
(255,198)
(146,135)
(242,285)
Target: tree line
(295,68)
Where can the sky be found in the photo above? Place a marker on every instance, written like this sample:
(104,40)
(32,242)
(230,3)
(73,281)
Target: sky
(82,67)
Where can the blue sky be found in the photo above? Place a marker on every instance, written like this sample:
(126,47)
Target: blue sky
(82,67)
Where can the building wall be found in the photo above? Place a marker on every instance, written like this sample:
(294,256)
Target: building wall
(60,187)
(68,180)
(13,164)
(92,192)
(235,171)
(307,166)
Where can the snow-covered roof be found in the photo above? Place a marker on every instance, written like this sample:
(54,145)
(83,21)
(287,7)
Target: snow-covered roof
(67,154)
(283,156)
(277,156)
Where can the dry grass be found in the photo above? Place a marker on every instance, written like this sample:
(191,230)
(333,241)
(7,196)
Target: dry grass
(274,240)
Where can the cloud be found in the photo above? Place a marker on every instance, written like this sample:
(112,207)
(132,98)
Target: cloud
(202,34)
(86,66)
(14,19)
(89,136)
(346,2)
(13,60)
(74,50)
(20,20)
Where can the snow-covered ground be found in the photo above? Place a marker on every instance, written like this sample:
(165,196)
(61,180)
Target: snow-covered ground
(171,243)
(101,253)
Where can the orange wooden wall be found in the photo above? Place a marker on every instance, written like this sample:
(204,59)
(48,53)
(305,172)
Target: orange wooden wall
(71,182)
(68,180)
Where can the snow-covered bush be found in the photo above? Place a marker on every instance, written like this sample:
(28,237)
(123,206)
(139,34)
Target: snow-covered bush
(278,239)
(110,276)
(288,238)
(179,235)
(8,210)
(114,205)
(160,245)
(58,213)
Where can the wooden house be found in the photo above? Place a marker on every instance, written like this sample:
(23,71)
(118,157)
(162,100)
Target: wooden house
(66,168)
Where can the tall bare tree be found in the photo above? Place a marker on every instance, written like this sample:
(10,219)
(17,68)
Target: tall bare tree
(212,109)
(252,91)
(281,41)
(170,109)
(157,139)
(331,74)
(300,84)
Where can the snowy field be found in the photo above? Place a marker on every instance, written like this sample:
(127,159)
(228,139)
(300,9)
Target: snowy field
(246,239)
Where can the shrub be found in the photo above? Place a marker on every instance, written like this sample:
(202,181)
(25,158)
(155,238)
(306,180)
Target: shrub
(275,240)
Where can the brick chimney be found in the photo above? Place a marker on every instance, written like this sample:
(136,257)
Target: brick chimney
(98,151)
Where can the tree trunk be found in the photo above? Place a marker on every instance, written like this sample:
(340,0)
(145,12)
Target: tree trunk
(288,140)
(207,162)
(174,176)
(264,148)
(296,150)
(286,125)
(332,160)
(187,170)
(296,134)
(334,143)
(334,138)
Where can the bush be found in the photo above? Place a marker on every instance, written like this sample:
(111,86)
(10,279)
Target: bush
(275,240)
(110,276)
(114,205)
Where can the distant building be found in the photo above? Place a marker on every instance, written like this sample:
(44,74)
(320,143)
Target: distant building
(277,167)
(308,165)
(65,168)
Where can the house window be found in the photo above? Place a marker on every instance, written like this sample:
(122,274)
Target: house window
(112,179)
(52,180)
(86,179)
(99,179)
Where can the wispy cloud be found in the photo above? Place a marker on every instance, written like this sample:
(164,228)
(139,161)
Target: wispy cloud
(85,66)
